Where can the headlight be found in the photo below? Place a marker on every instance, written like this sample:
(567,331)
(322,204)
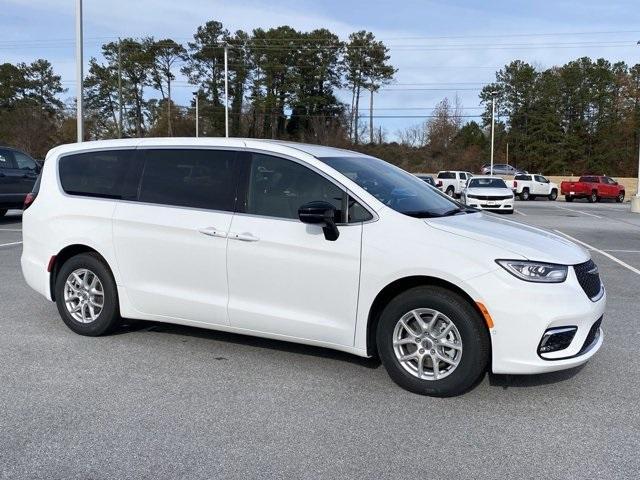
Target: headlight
(535,271)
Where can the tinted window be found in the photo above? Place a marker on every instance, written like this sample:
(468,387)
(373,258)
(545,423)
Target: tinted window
(393,186)
(6,159)
(24,162)
(110,174)
(446,175)
(487,183)
(189,178)
(522,177)
(540,178)
(463,176)
(589,179)
(279,187)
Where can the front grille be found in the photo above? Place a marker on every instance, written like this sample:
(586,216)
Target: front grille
(486,197)
(591,336)
(589,278)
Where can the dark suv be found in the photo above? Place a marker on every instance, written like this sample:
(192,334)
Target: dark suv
(18,174)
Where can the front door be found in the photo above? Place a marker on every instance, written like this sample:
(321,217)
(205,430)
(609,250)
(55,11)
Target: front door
(285,278)
(171,241)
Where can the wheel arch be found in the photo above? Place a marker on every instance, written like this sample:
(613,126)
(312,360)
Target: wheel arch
(65,254)
(400,285)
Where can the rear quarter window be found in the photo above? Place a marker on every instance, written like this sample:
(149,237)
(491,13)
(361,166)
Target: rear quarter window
(446,175)
(105,174)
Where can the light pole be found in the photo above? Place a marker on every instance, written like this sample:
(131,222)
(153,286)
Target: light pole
(79,109)
(226,91)
(493,127)
(635,200)
(197,94)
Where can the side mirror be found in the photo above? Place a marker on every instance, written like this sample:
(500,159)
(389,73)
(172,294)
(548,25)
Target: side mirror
(322,214)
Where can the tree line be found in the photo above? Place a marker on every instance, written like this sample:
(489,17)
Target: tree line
(583,116)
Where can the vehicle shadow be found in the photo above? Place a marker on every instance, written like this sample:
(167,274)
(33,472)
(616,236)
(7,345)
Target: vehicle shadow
(130,326)
(520,381)
(11,218)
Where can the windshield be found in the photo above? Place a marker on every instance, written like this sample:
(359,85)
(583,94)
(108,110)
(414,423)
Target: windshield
(487,183)
(394,187)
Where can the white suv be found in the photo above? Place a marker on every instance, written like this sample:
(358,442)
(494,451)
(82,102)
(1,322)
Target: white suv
(307,244)
(452,182)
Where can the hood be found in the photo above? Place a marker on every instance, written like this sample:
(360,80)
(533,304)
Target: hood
(515,238)
(489,192)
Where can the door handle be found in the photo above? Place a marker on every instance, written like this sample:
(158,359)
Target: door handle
(213,232)
(244,237)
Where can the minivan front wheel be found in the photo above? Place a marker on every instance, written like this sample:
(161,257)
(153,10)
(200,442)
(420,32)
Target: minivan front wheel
(86,295)
(433,342)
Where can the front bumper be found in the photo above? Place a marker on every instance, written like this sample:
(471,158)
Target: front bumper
(490,205)
(522,312)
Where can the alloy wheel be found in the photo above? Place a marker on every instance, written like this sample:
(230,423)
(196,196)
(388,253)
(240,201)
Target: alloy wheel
(84,295)
(427,344)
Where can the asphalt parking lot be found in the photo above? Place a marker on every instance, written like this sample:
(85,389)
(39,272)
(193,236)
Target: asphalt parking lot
(161,401)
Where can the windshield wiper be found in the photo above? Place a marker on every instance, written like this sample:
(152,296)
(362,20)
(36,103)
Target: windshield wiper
(422,214)
(453,211)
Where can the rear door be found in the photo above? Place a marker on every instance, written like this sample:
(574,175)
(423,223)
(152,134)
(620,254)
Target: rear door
(27,171)
(285,278)
(9,178)
(171,240)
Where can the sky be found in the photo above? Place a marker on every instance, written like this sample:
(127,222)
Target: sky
(441,49)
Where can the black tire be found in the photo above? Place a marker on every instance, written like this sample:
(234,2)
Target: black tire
(593,198)
(524,195)
(509,212)
(3,212)
(109,316)
(450,191)
(568,198)
(620,197)
(473,332)
(553,195)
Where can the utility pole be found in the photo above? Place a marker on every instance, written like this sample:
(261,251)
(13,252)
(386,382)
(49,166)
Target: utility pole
(635,200)
(226,91)
(371,116)
(79,84)
(493,120)
(197,94)
(507,162)
(120,87)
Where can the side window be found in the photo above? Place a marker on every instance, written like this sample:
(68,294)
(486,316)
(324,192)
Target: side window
(357,213)
(107,174)
(463,176)
(279,187)
(6,159)
(24,162)
(189,178)
(540,178)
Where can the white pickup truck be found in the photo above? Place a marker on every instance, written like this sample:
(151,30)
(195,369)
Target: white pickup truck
(528,187)
(452,182)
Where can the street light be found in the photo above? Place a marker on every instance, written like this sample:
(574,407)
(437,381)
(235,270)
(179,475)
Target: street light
(197,94)
(79,112)
(635,200)
(493,94)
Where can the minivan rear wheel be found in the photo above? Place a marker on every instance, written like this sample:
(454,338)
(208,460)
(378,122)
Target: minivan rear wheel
(86,295)
(433,342)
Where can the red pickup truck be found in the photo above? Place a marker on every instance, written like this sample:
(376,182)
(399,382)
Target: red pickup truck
(593,188)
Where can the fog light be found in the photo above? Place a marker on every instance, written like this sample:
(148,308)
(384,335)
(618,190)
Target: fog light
(556,339)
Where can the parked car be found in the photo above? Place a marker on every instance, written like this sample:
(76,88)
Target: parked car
(18,174)
(307,244)
(452,182)
(501,169)
(528,187)
(594,188)
(427,179)
(488,193)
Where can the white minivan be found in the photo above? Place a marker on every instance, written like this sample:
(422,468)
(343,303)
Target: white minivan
(306,244)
